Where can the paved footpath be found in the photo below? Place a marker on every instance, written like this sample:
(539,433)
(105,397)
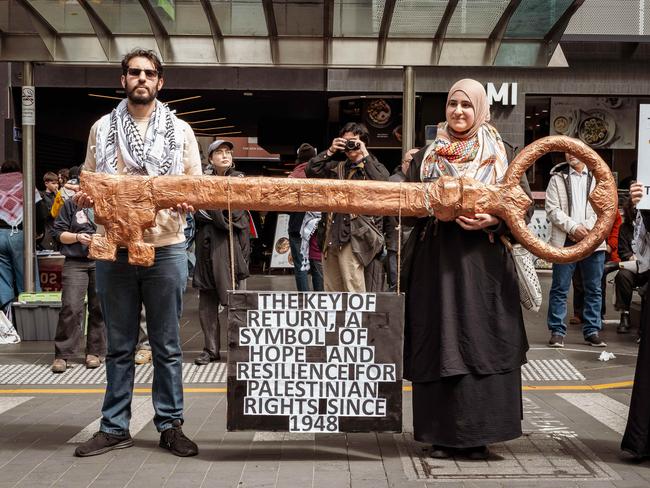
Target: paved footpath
(575,409)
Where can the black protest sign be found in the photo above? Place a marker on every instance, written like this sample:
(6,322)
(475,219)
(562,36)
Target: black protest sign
(315,362)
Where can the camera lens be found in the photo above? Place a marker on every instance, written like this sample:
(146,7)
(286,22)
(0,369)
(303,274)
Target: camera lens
(351,145)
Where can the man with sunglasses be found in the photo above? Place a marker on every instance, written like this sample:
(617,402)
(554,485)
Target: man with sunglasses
(143,137)
(352,242)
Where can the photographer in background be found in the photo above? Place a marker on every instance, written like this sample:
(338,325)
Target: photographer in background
(351,242)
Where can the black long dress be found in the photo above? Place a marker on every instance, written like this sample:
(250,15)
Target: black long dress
(636,439)
(465,340)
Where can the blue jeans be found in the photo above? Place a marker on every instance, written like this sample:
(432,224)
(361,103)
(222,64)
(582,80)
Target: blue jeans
(301,276)
(122,288)
(11,266)
(315,268)
(592,274)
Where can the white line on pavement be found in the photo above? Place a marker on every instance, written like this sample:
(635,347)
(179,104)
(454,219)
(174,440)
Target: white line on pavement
(11,402)
(606,410)
(143,412)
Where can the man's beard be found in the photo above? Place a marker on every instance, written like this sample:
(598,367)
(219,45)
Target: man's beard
(137,99)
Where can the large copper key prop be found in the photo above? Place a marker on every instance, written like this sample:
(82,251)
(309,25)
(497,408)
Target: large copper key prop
(127,205)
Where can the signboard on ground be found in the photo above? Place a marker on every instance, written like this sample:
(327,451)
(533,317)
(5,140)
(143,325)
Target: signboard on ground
(315,362)
(281,253)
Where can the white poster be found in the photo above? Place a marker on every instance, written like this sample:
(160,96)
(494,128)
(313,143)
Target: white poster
(281,257)
(600,122)
(643,166)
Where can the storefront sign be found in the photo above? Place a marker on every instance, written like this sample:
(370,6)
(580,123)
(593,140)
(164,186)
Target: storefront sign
(315,362)
(505,95)
(643,165)
(28,98)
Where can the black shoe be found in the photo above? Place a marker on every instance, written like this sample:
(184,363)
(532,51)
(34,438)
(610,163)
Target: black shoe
(177,442)
(556,341)
(610,267)
(623,326)
(102,442)
(594,340)
(206,358)
(439,452)
(480,453)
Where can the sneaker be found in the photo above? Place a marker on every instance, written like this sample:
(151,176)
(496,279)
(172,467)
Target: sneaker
(206,358)
(177,442)
(59,366)
(594,340)
(92,361)
(556,341)
(623,326)
(102,442)
(143,356)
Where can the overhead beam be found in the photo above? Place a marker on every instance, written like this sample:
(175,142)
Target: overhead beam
(103,33)
(496,36)
(215,29)
(158,29)
(439,38)
(328,30)
(272,28)
(384,28)
(46,31)
(553,36)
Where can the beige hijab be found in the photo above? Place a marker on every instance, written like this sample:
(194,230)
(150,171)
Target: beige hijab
(478,153)
(476,94)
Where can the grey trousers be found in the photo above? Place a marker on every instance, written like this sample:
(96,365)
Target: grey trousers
(209,318)
(79,279)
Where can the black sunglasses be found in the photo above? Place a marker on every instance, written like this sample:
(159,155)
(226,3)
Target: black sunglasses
(149,73)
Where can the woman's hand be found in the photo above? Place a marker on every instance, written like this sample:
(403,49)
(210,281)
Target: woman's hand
(636,192)
(480,221)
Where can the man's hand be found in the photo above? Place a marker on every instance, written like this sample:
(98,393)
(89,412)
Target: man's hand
(579,233)
(81,199)
(636,192)
(338,144)
(362,148)
(480,221)
(183,208)
(84,238)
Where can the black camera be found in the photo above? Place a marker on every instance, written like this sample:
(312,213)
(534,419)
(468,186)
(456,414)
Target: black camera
(352,144)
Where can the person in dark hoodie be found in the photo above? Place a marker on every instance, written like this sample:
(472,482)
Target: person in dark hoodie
(73,228)
(304,154)
(212,274)
(572,217)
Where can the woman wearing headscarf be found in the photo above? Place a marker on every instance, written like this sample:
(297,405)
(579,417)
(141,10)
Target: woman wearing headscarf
(464,339)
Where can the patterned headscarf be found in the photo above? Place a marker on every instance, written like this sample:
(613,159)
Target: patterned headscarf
(478,153)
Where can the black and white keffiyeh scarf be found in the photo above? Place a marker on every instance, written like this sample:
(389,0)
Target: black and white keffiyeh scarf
(161,152)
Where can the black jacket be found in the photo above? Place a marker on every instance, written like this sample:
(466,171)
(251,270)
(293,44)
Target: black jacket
(212,269)
(322,166)
(76,220)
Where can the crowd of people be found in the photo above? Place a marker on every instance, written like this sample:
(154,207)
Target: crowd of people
(464,339)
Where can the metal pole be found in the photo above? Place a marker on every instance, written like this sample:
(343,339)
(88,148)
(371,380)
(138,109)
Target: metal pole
(408,110)
(28,120)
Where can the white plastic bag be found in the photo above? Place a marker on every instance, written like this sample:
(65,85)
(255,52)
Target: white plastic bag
(8,334)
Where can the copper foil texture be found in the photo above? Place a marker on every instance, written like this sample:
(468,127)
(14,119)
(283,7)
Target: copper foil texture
(127,205)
